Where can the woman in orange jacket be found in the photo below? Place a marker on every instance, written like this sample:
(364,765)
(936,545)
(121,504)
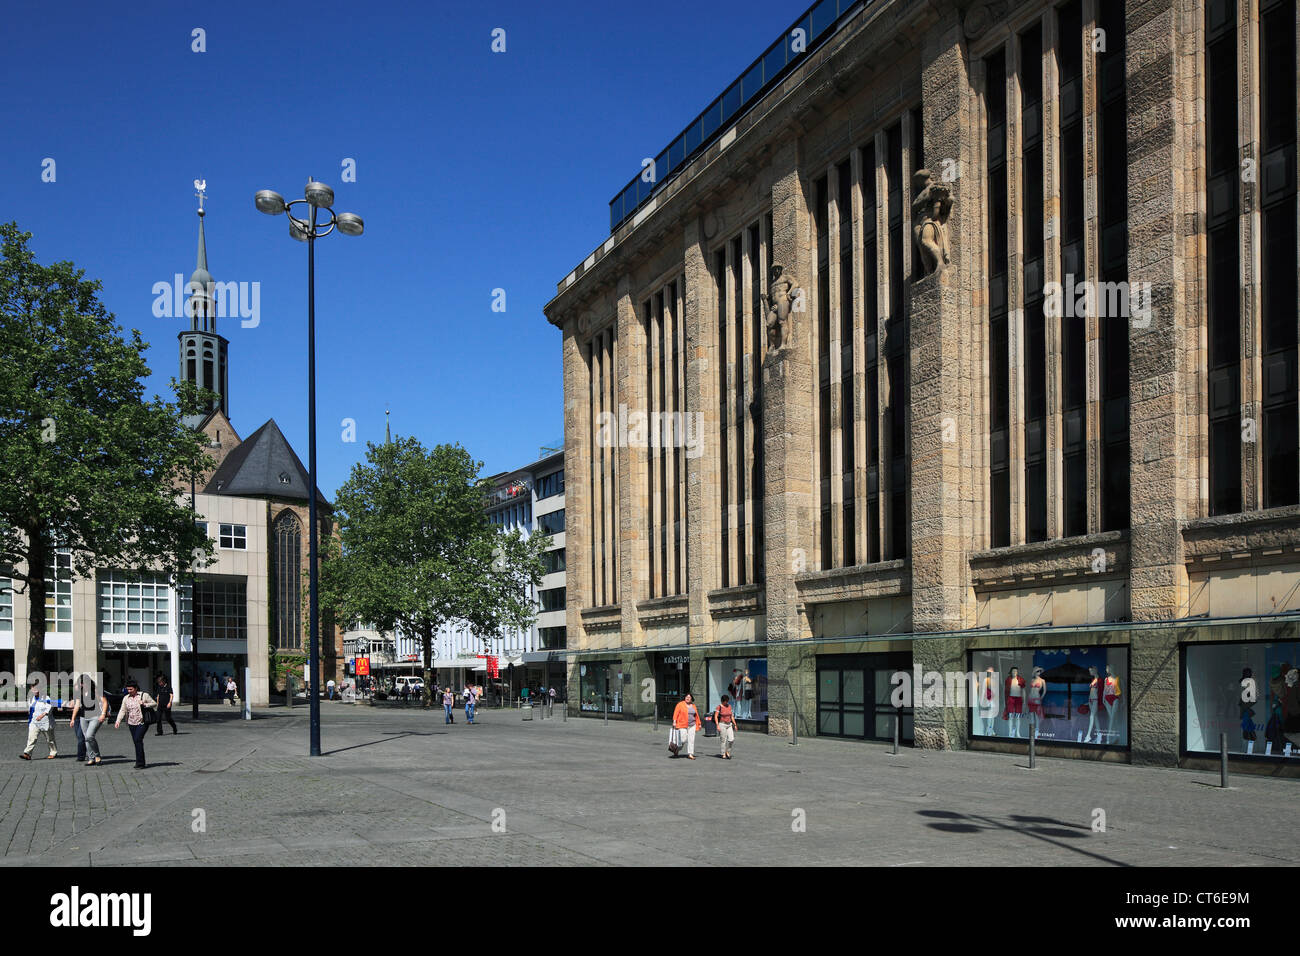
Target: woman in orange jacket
(686,720)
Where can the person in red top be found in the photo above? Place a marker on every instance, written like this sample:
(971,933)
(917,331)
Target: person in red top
(686,720)
(726,723)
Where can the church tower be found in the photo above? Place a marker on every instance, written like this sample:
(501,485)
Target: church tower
(202,350)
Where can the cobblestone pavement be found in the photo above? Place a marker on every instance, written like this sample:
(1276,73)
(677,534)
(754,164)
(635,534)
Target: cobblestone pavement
(401,787)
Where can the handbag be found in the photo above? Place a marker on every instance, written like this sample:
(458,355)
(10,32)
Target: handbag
(674,742)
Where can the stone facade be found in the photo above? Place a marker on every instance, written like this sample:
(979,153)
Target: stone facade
(860,458)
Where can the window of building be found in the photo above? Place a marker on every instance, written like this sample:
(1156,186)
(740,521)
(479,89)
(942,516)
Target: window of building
(286,580)
(743,680)
(551,599)
(6,605)
(601,354)
(548,485)
(553,561)
(133,605)
(551,638)
(1074,695)
(234,537)
(600,684)
(1249,692)
(58,592)
(551,523)
(222,610)
(995,104)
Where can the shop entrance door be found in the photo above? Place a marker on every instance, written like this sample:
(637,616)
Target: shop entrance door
(672,682)
(853,696)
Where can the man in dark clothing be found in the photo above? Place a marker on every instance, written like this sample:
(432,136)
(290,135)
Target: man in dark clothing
(165,705)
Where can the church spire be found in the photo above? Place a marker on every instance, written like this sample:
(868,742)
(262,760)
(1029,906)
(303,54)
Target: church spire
(203,353)
(388,435)
(203,317)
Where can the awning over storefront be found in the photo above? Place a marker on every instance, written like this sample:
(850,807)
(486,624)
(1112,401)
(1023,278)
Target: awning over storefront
(544,657)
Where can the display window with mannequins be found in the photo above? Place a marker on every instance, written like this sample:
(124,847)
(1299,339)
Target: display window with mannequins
(743,680)
(1060,695)
(1250,691)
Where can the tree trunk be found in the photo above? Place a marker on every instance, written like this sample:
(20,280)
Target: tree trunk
(37,556)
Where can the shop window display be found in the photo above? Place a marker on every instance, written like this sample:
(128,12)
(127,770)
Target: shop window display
(1073,695)
(744,680)
(596,681)
(1251,692)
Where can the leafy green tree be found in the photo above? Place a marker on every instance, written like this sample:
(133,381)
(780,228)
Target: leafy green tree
(415,550)
(86,462)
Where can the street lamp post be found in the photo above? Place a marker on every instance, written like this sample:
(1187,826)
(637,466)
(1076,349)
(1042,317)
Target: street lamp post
(318,198)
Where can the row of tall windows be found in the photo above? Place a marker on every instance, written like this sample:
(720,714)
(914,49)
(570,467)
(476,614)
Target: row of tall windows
(740,269)
(663,315)
(861,218)
(601,356)
(1049,304)
(1254,421)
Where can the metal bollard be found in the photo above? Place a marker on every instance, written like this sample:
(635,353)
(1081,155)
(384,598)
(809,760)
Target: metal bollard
(1033,739)
(654,710)
(1223,761)
(607,710)
(896,723)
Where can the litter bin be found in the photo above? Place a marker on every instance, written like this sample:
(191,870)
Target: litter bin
(528,711)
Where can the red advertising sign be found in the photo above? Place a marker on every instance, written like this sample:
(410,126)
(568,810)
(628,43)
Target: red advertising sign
(363,667)
(494,669)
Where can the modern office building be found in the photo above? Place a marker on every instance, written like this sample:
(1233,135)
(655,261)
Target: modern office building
(251,608)
(956,340)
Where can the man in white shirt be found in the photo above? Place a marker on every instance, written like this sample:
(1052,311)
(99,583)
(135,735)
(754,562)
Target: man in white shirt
(39,723)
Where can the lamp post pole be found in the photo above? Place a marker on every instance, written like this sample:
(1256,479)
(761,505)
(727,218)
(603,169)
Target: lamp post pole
(318,196)
(194,614)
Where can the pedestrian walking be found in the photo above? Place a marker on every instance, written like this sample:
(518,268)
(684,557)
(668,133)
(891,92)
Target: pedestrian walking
(329,688)
(165,697)
(470,698)
(725,719)
(231,691)
(89,713)
(39,723)
(551,692)
(134,706)
(686,720)
(448,704)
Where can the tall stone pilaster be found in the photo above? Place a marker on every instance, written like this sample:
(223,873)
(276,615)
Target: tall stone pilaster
(944,377)
(788,400)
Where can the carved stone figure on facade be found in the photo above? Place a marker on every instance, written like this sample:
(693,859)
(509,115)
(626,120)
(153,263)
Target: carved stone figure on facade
(930,212)
(780,300)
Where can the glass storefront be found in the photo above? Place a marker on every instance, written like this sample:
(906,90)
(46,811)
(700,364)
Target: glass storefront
(853,696)
(672,681)
(1076,695)
(743,680)
(1251,692)
(599,682)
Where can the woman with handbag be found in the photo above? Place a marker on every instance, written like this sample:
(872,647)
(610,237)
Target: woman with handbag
(686,720)
(136,709)
(725,719)
(90,712)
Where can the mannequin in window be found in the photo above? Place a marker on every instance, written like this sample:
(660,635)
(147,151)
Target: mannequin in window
(1110,694)
(1013,701)
(1094,705)
(988,701)
(1037,691)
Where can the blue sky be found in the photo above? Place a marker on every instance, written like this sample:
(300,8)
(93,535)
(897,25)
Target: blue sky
(474,171)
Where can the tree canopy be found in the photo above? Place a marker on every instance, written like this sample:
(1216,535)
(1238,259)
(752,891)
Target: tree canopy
(415,549)
(87,463)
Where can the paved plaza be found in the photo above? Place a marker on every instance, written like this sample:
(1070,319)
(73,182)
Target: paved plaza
(398,786)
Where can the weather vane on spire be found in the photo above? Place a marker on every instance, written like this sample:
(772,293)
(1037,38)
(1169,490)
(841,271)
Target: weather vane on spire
(201,185)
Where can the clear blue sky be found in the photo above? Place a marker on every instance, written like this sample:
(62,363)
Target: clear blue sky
(475,171)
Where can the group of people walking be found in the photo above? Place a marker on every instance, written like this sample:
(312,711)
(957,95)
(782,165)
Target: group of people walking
(91,710)
(470,696)
(687,720)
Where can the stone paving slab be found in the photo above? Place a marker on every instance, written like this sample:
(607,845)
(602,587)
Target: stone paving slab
(400,787)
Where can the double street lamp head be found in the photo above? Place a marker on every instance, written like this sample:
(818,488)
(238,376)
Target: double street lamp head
(320,197)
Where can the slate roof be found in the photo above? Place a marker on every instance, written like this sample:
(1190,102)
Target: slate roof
(263,465)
